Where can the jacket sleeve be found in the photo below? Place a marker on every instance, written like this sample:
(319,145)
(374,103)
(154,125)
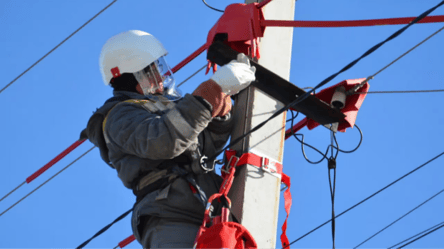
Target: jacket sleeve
(217,134)
(136,131)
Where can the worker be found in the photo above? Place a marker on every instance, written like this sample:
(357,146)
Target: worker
(158,140)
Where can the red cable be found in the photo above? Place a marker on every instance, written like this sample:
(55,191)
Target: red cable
(55,160)
(127,241)
(189,58)
(354,23)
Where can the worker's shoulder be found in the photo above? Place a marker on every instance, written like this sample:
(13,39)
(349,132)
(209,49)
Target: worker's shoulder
(130,105)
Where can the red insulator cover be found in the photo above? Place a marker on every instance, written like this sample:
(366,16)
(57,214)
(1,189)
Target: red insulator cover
(352,104)
(242,24)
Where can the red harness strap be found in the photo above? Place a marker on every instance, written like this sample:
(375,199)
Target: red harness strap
(233,235)
(267,165)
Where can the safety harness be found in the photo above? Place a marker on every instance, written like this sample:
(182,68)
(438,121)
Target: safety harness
(223,233)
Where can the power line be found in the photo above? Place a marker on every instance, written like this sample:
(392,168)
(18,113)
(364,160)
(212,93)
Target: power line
(46,166)
(52,50)
(428,229)
(408,91)
(410,50)
(202,68)
(205,2)
(377,192)
(47,180)
(371,50)
(391,63)
(105,228)
(422,236)
(399,218)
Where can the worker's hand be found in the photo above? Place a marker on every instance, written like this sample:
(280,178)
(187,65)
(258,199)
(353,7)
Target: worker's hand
(212,92)
(235,76)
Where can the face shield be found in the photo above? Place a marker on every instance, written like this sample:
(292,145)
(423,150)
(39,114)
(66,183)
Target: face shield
(157,80)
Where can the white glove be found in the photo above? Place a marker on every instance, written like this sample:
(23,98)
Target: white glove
(235,76)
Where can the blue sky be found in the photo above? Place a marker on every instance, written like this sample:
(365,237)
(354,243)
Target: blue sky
(45,110)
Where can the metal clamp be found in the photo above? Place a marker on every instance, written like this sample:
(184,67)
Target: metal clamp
(203,164)
(228,165)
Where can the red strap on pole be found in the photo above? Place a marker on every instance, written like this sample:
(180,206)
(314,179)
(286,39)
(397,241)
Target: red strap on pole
(127,241)
(54,161)
(287,204)
(353,23)
(255,160)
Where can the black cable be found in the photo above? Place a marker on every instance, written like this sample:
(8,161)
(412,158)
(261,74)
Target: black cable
(422,236)
(407,91)
(374,48)
(428,229)
(324,155)
(369,238)
(303,143)
(105,228)
(325,81)
(293,117)
(369,197)
(52,50)
(332,166)
(357,147)
(204,1)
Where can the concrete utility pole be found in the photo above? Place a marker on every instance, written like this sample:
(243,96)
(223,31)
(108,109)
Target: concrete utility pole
(255,193)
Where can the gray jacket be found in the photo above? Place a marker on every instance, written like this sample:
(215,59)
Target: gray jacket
(142,136)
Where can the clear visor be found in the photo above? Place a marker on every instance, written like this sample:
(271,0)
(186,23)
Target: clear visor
(157,79)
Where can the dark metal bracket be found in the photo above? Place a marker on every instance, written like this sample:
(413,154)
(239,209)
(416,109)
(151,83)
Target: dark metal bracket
(279,88)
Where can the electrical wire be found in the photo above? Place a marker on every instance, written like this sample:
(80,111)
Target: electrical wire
(369,197)
(332,166)
(105,228)
(422,236)
(352,90)
(411,91)
(369,238)
(332,147)
(52,50)
(202,68)
(428,229)
(46,166)
(12,191)
(324,155)
(205,2)
(322,83)
(410,50)
(47,180)
(359,144)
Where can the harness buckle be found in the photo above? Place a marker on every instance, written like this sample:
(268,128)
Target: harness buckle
(268,166)
(228,165)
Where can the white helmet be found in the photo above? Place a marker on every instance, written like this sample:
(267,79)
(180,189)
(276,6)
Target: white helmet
(139,53)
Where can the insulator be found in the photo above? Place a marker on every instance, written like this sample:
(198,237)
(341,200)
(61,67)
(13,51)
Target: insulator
(339,97)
